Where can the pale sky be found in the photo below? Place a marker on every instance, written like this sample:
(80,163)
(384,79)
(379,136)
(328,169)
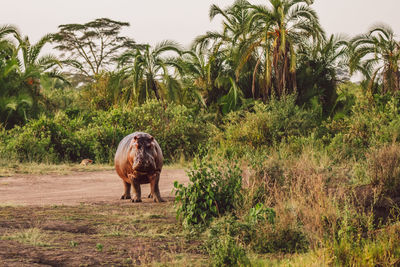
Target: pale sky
(180,20)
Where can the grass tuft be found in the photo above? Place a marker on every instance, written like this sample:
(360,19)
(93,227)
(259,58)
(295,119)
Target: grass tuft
(31,236)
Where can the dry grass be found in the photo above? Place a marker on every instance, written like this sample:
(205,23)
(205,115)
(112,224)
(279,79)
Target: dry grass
(384,169)
(314,196)
(300,191)
(31,236)
(12,168)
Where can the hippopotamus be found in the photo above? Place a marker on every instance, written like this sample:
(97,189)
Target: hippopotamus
(139,160)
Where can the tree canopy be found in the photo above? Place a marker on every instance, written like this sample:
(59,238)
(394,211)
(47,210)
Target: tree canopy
(92,47)
(260,52)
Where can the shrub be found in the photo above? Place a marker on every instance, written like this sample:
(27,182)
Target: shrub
(71,137)
(177,129)
(259,214)
(259,231)
(214,189)
(301,189)
(102,135)
(267,125)
(43,140)
(370,125)
(224,242)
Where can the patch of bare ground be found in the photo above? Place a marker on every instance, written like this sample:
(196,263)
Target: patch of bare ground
(76,187)
(78,220)
(119,234)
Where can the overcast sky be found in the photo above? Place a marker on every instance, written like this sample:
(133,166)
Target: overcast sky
(181,20)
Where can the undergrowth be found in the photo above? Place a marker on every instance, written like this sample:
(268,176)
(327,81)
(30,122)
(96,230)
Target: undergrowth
(307,188)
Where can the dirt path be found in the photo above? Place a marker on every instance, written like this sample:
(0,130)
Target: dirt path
(76,188)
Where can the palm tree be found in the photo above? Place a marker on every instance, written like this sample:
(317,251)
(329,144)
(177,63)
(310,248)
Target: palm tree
(195,71)
(14,102)
(318,71)
(5,44)
(21,68)
(8,52)
(149,69)
(33,66)
(376,54)
(235,26)
(7,49)
(277,31)
(223,51)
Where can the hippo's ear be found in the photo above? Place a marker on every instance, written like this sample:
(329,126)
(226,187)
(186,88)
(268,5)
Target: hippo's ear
(135,137)
(151,138)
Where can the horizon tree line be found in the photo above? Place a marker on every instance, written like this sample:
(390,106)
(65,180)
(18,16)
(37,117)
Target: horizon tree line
(260,52)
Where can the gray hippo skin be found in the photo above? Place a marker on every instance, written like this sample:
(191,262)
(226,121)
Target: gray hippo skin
(139,160)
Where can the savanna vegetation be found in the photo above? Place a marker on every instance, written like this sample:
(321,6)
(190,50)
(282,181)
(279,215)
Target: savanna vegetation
(293,163)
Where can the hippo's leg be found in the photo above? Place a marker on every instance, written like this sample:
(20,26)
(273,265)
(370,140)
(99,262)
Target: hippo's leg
(127,190)
(155,190)
(136,190)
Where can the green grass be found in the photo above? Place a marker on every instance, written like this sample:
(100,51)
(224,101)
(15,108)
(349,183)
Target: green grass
(315,258)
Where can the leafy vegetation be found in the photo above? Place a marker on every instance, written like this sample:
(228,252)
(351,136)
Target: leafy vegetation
(214,191)
(70,137)
(291,157)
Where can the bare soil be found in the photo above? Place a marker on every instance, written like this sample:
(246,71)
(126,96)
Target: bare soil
(76,188)
(79,220)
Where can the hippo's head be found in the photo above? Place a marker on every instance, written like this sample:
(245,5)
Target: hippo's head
(143,153)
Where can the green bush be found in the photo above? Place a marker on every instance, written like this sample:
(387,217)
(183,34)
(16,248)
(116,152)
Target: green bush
(259,214)
(102,135)
(68,136)
(214,189)
(227,236)
(369,125)
(177,129)
(224,242)
(42,140)
(267,125)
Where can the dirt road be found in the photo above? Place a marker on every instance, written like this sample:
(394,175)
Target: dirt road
(76,188)
(79,219)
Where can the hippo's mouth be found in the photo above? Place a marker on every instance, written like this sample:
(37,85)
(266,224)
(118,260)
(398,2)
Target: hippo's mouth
(148,167)
(143,169)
